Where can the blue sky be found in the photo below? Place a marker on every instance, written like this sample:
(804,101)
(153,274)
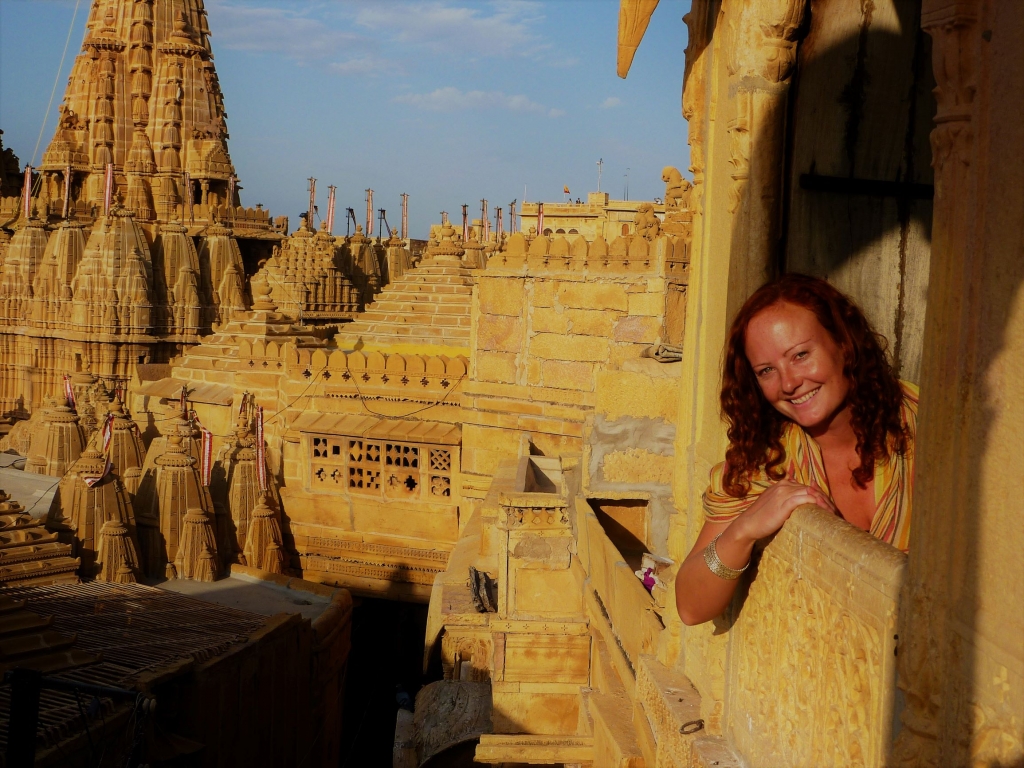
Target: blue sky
(449,100)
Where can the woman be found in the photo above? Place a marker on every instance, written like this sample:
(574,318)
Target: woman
(816,416)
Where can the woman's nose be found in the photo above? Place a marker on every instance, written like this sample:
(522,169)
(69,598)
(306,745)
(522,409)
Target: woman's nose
(790,381)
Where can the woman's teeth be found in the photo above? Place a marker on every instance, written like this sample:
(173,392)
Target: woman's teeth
(804,398)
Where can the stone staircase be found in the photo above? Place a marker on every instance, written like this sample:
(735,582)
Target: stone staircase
(429,306)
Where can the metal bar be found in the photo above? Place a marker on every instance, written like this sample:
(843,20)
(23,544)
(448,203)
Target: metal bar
(842,185)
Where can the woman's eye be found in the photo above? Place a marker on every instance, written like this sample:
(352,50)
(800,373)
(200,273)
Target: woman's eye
(801,355)
(764,372)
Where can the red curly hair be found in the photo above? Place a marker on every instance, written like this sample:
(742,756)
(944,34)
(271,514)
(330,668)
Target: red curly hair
(756,427)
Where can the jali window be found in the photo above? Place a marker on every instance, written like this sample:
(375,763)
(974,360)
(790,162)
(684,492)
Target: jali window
(380,468)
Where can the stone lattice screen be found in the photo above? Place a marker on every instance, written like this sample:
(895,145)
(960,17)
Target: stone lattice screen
(811,674)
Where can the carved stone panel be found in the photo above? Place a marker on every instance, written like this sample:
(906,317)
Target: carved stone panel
(811,673)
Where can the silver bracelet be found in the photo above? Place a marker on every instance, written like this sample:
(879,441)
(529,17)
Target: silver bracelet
(716,566)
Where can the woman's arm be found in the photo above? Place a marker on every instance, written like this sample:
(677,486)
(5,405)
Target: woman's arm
(700,594)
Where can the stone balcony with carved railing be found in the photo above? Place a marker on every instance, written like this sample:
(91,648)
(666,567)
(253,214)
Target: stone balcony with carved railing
(810,663)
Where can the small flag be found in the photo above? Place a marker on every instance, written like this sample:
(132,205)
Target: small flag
(91,479)
(108,432)
(205,451)
(69,392)
(261,451)
(566,190)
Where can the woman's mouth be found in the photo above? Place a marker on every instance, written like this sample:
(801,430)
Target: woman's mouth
(805,398)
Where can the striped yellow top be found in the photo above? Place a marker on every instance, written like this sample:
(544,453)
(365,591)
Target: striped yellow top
(894,479)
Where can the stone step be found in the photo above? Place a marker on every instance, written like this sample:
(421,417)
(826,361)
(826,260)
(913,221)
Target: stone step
(421,307)
(436,289)
(404,332)
(425,297)
(460,321)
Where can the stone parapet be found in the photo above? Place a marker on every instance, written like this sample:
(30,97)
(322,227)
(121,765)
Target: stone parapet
(811,676)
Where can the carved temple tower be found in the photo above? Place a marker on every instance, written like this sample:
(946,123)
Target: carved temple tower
(132,242)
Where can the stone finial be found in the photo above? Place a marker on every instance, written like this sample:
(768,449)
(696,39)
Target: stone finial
(127,451)
(196,557)
(99,518)
(448,249)
(178,493)
(58,443)
(243,488)
(260,285)
(263,548)
(118,554)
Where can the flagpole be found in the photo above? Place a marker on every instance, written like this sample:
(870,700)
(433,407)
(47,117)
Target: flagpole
(26,193)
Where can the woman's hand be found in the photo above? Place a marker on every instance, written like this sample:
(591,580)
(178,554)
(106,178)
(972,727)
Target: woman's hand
(774,507)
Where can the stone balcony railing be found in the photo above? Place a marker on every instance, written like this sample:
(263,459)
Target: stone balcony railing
(663,256)
(811,670)
(810,660)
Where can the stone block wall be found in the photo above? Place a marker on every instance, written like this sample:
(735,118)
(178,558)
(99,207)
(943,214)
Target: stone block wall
(544,335)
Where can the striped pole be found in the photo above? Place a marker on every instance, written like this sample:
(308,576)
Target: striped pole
(261,451)
(108,189)
(465,223)
(312,203)
(330,209)
(369,212)
(498,231)
(512,217)
(26,194)
(405,216)
(540,218)
(67,192)
(485,218)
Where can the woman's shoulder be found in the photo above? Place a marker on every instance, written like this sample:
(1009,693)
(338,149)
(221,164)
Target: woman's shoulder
(908,409)
(911,393)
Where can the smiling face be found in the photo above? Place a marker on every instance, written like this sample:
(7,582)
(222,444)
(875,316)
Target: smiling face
(797,364)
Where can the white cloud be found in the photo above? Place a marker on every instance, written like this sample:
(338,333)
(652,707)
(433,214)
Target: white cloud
(294,34)
(452,99)
(611,102)
(499,28)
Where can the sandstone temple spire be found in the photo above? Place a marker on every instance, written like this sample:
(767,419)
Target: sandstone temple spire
(143,96)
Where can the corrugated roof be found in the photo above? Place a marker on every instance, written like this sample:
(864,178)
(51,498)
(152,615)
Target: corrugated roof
(406,430)
(198,392)
(107,634)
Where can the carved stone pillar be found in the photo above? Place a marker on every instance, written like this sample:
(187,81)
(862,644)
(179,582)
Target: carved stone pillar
(763,39)
(961,652)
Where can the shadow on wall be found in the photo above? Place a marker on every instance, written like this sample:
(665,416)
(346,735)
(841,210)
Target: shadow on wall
(856,187)
(856,208)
